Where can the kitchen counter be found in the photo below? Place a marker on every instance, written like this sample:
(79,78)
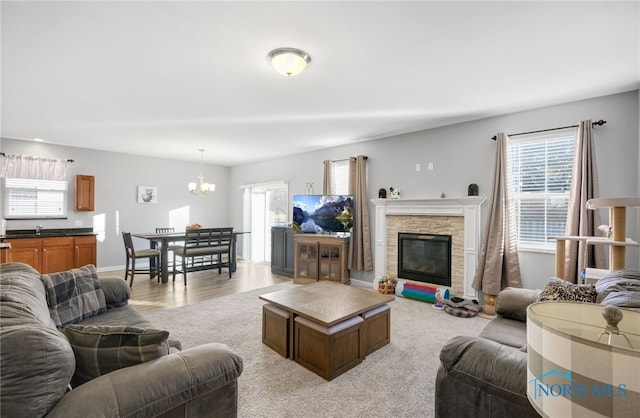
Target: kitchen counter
(50,250)
(46,233)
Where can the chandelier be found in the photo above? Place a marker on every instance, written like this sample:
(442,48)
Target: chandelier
(201,187)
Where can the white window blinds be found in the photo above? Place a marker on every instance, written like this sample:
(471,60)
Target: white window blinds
(340,183)
(34,199)
(541,166)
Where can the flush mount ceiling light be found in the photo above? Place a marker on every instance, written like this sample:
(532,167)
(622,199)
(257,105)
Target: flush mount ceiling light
(289,61)
(201,187)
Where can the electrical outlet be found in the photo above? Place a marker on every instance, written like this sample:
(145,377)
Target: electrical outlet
(418,167)
(430,166)
(78,222)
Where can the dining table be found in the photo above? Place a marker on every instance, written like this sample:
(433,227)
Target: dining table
(162,240)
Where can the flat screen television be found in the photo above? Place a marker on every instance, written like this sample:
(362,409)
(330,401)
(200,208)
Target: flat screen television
(322,214)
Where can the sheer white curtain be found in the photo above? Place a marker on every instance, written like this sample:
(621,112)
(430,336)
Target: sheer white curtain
(36,168)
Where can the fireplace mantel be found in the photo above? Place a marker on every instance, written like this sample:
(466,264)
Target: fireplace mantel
(467,207)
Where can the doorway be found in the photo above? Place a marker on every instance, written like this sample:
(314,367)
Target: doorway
(265,205)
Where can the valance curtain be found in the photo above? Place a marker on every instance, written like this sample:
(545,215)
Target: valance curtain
(360,243)
(580,220)
(498,265)
(35,168)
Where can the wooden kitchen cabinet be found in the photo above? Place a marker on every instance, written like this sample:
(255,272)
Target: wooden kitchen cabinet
(57,254)
(85,250)
(85,190)
(53,254)
(26,250)
(321,257)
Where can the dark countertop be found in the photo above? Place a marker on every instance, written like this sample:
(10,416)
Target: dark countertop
(46,233)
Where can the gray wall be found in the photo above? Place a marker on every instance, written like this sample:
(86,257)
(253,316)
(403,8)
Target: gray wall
(117,177)
(463,154)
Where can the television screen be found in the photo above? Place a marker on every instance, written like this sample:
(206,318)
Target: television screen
(322,213)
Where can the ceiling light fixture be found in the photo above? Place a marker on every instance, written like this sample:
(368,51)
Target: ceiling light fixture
(289,61)
(201,187)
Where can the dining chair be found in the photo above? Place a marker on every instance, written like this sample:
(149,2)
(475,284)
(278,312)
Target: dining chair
(133,255)
(172,246)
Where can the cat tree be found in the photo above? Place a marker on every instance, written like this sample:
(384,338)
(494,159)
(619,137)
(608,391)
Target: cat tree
(617,243)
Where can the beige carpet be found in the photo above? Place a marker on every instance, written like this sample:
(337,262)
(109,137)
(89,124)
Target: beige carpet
(395,381)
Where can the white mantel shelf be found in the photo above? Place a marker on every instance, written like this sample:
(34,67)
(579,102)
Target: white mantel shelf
(448,206)
(467,207)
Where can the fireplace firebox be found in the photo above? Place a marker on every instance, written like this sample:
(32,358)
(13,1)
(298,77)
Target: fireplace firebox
(425,258)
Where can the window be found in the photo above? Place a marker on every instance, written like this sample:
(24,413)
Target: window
(541,166)
(340,180)
(34,199)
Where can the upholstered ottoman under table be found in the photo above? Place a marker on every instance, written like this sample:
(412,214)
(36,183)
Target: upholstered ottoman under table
(275,328)
(377,328)
(328,351)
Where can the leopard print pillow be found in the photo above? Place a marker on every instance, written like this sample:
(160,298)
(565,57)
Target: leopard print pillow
(558,289)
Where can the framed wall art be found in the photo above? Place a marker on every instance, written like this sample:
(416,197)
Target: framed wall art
(147,194)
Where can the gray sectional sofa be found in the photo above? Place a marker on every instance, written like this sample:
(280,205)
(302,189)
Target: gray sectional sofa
(39,359)
(486,376)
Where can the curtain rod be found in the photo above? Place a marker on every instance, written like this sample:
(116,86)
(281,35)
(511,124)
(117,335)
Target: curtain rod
(347,159)
(2,154)
(599,123)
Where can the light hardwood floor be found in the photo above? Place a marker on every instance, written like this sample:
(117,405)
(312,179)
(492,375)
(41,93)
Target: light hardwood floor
(149,295)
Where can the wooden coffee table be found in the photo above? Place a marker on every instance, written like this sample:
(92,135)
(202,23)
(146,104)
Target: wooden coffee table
(325,302)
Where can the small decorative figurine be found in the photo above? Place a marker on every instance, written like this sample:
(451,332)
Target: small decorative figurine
(394,193)
(382,194)
(442,195)
(473,189)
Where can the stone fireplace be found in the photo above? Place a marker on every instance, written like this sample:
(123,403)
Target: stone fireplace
(457,217)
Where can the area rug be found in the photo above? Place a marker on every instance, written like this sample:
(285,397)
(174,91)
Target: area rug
(396,381)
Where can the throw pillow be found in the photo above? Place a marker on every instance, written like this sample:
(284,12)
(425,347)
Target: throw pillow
(103,349)
(558,289)
(74,295)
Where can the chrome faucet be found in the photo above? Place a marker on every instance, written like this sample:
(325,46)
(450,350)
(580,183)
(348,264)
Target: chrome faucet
(38,228)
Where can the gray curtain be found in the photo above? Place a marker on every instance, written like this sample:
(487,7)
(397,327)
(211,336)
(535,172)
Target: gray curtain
(498,266)
(360,243)
(580,220)
(327,177)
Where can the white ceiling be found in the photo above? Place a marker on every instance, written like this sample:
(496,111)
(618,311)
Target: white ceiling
(165,78)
